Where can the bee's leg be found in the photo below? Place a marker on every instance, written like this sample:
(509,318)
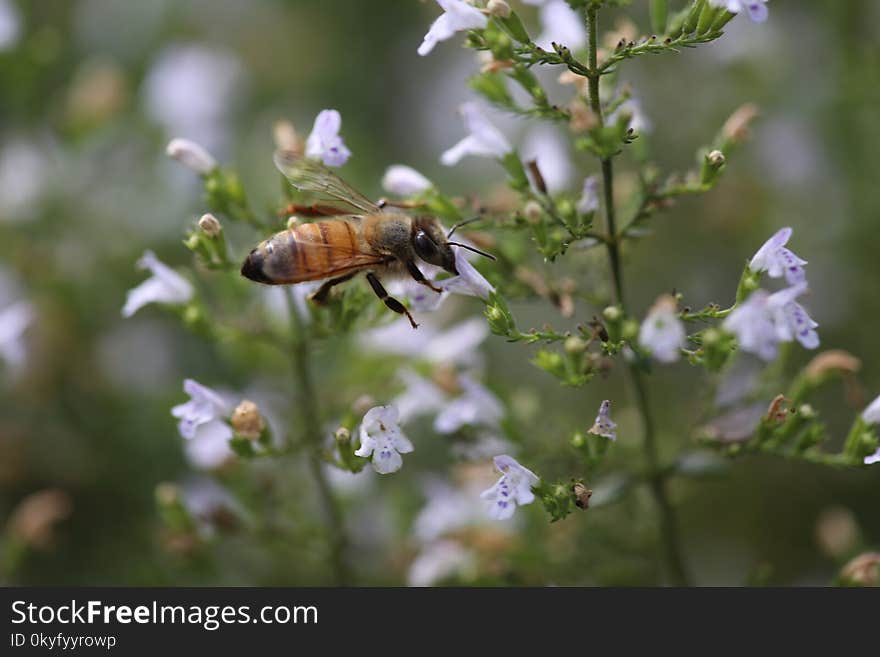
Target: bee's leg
(391,302)
(419,276)
(320,295)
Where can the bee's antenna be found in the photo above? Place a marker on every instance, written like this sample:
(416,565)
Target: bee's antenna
(462,223)
(471,248)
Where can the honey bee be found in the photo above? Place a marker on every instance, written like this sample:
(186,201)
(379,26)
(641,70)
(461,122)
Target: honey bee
(359,237)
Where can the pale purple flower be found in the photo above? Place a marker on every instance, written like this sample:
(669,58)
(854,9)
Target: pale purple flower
(777,260)
(203,427)
(756,9)
(561,24)
(790,318)
(604,426)
(205,405)
(513,489)
(873,458)
(439,561)
(589,200)
(663,333)
(205,500)
(483,138)
(324,142)
(551,152)
(468,282)
(164,286)
(382,437)
(14,320)
(191,155)
(457,16)
(764,320)
(871,415)
(477,405)
(404,181)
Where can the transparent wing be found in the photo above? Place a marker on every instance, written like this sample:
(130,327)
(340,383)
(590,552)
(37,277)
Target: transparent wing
(309,175)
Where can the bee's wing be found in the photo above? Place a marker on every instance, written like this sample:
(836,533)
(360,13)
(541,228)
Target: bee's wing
(309,175)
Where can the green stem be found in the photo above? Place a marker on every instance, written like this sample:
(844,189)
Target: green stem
(307,404)
(668,523)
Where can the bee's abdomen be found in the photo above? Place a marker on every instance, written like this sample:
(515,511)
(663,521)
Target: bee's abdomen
(305,252)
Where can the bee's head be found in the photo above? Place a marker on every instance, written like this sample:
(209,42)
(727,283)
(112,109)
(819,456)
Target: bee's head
(429,243)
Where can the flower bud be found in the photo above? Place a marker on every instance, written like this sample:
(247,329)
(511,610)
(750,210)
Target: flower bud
(612,314)
(533,212)
(736,128)
(630,330)
(831,362)
(286,137)
(210,225)
(363,404)
(498,8)
(167,494)
(191,155)
(836,531)
(247,421)
(342,436)
(582,495)
(574,345)
(864,570)
(33,521)
(715,158)
(292,222)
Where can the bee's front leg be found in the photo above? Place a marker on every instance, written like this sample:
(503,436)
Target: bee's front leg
(416,273)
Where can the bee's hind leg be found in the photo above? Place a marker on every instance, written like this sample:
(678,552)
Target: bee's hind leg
(320,295)
(391,302)
(417,274)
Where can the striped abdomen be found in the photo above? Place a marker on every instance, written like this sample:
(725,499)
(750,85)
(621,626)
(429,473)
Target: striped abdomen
(308,252)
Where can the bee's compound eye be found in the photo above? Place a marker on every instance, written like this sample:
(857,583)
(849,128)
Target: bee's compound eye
(252,267)
(425,247)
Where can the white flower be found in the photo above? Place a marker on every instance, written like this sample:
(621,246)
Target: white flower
(777,261)
(404,181)
(421,397)
(663,333)
(382,437)
(604,426)
(324,142)
(191,155)
(561,24)
(202,425)
(192,90)
(439,561)
(164,286)
(469,281)
(476,405)
(589,200)
(446,510)
(871,415)
(873,458)
(765,320)
(204,406)
(550,150)
(483,139)
(10,25)
(457,15)
(512,489)
(757,9)
(14,320)
(456,345)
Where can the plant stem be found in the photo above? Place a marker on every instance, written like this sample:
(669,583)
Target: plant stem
(657,478)
(307,403)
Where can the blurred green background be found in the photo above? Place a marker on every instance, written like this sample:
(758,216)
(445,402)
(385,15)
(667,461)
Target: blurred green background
(92,90)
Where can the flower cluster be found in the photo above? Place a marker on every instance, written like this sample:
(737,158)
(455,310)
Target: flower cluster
(764,320)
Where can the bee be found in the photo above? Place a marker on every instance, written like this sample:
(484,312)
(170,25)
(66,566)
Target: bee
(359,237)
